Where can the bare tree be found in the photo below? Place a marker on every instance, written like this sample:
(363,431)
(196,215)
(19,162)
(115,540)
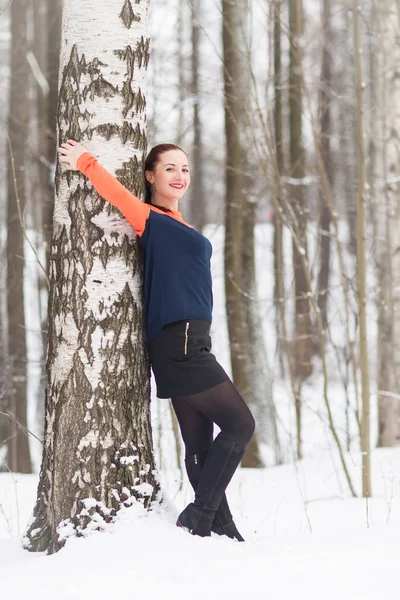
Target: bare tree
(4,150)
(279,289)
(18,131)
(98,447)
(198,197)
(386,210)
(302,333)
(361,258)
(325,142)
(44,62)
(234,204)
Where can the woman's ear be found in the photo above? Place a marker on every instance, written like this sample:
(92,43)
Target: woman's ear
(149,177)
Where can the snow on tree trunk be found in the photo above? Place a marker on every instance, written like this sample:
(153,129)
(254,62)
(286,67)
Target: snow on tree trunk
(98,452)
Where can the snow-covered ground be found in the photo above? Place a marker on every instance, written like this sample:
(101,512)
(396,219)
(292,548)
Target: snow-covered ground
(305,539)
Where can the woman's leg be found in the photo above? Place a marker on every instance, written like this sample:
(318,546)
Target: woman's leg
(223,405)
(197,434)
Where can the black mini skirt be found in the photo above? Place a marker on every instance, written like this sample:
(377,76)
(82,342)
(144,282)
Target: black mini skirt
(181,359)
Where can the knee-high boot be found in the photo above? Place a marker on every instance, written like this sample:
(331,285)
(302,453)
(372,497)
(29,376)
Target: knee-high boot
(219,466)
(223,523)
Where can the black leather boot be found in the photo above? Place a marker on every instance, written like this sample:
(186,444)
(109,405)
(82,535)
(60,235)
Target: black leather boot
(223,523)
(221,463)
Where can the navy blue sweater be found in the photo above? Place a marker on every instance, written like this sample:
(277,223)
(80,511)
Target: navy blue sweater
(177,272)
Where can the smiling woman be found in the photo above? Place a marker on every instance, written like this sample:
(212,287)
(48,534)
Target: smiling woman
(178,312)
(167,175)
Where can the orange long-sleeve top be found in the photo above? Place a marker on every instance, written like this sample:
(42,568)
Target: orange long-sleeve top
(177,257)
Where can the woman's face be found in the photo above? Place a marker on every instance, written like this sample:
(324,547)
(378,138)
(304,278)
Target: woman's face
(171,177)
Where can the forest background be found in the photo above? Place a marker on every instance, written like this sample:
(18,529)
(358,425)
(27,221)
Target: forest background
(288,112)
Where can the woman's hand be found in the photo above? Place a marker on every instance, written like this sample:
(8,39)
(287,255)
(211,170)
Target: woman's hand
(70,151)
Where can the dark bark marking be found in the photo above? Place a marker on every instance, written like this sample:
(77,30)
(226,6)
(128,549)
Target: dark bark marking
(127,14)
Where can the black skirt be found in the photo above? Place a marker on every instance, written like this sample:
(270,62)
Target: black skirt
(181,359)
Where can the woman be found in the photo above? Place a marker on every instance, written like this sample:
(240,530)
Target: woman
(178,306)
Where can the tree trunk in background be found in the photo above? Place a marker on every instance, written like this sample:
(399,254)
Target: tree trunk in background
(182,125)
(4,151)
(98,452)
(54,14)
(387,214)
(234,217)
(347,163)
(259,393)
(198,197)
(47,40)
(361,254)
(325,143)
(302,329)
(260,381)
(18,130)
(279,288)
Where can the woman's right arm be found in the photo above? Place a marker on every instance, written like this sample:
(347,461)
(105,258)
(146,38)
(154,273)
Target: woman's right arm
(75,156)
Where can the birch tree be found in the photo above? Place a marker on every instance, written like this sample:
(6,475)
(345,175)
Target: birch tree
(98,448)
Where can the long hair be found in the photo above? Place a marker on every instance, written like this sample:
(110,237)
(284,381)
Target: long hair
(153,158)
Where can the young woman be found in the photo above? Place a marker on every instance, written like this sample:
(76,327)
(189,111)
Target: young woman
(178,307)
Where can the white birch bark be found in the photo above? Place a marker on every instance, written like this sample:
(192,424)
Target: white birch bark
(98,449)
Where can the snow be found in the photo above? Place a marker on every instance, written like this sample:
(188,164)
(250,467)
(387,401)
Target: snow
(305,538)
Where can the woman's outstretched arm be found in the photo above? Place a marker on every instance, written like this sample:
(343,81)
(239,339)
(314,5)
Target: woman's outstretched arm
(76,157)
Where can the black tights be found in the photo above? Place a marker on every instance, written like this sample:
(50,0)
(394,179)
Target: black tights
(223,405)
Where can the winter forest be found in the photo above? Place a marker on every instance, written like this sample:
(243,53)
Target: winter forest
(287,110)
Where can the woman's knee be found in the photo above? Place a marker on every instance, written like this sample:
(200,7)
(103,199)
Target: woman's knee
(242,430)
(248,428)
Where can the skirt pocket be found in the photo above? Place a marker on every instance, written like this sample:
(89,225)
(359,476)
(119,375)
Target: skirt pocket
(188,342)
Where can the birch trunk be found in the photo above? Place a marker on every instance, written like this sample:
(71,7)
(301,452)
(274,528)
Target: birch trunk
(98,452)
(387,213)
